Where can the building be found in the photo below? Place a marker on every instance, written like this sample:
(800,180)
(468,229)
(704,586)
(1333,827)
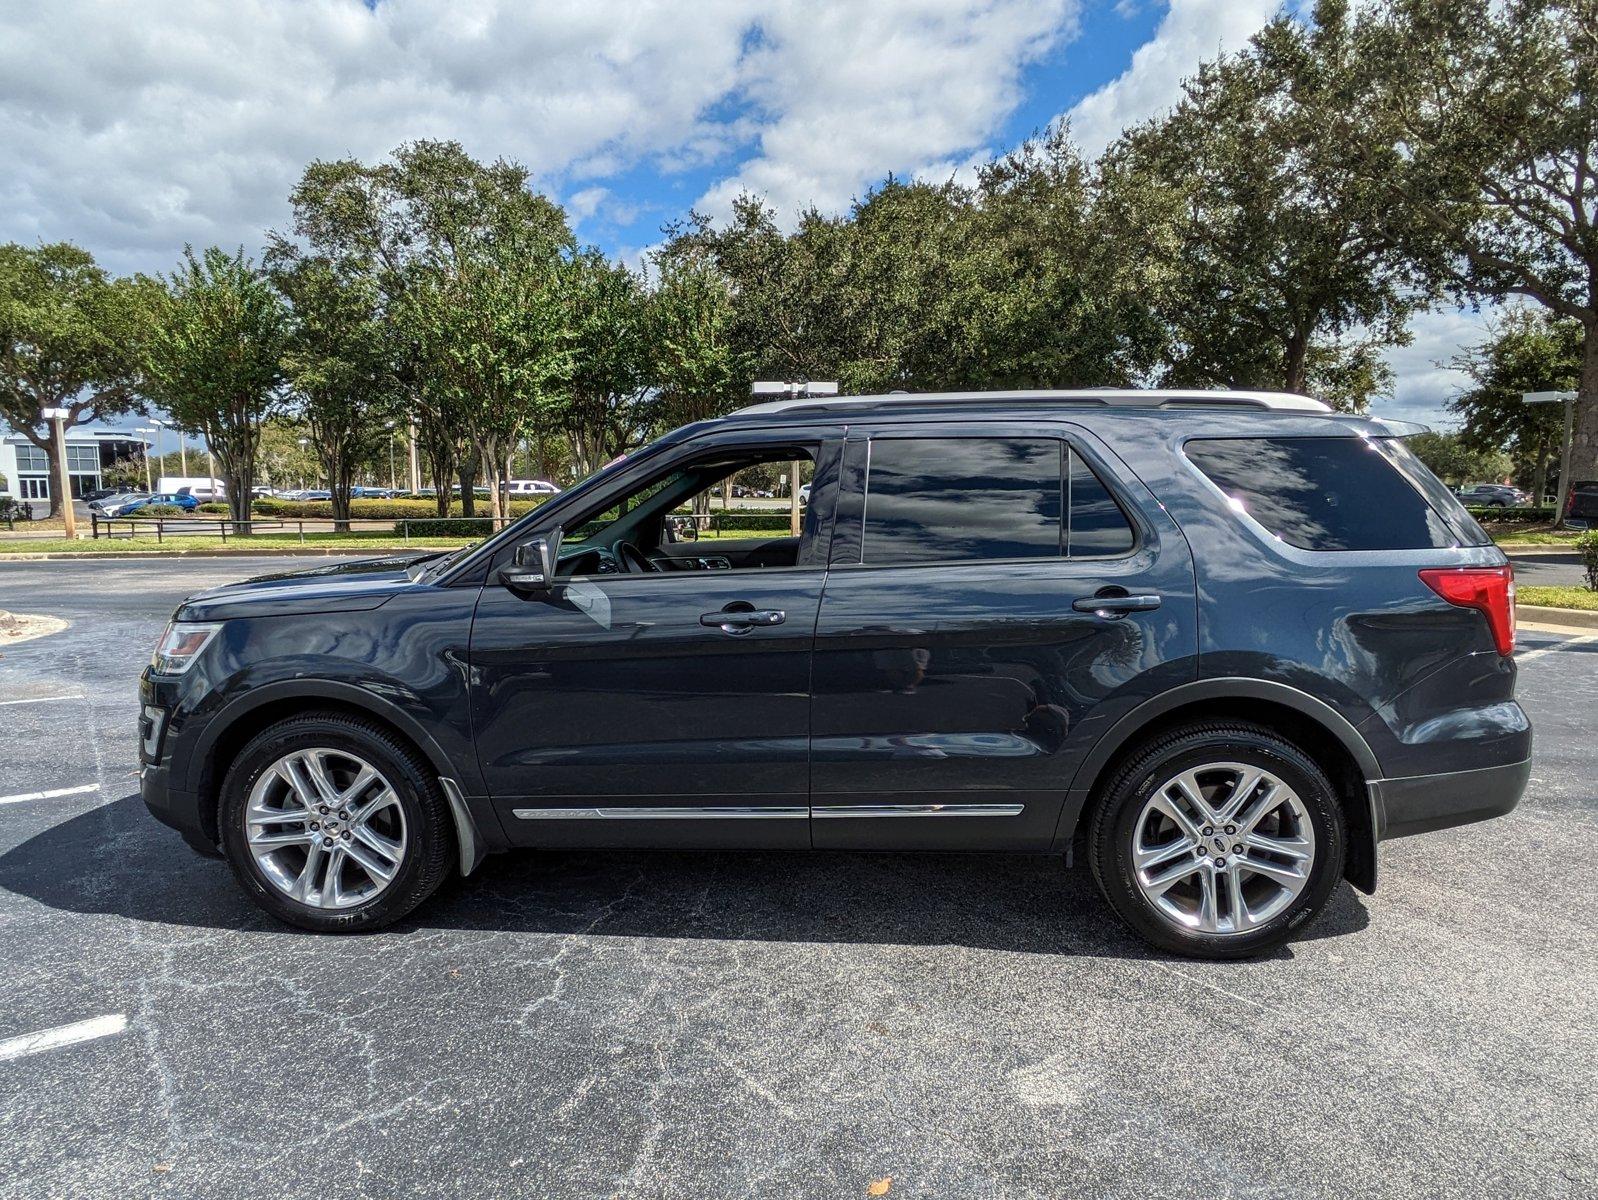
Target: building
(90,450)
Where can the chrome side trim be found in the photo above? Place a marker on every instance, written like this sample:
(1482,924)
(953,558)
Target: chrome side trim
(728,812)
(917,810)
(465,828)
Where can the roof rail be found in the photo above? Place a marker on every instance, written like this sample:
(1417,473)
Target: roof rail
(1087,397)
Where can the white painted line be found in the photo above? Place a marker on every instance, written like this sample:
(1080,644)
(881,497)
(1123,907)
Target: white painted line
(1565,645)
(40,699)
(50,795)
(62,1035)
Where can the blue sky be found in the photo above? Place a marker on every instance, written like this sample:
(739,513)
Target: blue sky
(134,129)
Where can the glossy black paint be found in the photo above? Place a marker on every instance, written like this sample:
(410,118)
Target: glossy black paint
(934,683)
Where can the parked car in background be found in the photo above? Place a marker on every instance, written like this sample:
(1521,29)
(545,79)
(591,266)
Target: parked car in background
(108,504)
(184,500)
(1218,646)
(362,492)
(98,494)
(532,487)
(804,493)
(201,487)
(1492,495)
(1581,505)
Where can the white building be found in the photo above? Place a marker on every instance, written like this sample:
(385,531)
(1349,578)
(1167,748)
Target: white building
(90,450)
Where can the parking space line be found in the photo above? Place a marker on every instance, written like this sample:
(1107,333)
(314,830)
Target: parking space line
(1564,645)
(62,1035)
(40,699)
(51,794)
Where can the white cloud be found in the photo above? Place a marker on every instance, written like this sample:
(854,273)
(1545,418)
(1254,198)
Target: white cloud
(1191,32)
(852,91)
(1424,374)
(134,128)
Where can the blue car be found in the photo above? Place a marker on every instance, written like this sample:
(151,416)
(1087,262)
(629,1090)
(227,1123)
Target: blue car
(184,501)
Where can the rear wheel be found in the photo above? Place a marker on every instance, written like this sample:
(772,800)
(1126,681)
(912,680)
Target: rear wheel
(333,824)
(1217,841)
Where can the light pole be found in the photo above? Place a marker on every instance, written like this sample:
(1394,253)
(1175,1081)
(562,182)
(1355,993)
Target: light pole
(304,442)
(392,477)
(62,482)
(144,453)
(1569,399)
(793,391)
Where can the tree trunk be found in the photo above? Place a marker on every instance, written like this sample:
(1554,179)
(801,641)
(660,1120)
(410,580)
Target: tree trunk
(468,477)
(1539,474)
(339,476)
(441,472)
(1294,362)
(54,467)
(1584,438)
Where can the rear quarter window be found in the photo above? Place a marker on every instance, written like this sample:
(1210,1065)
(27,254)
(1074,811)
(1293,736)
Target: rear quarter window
(1326,493)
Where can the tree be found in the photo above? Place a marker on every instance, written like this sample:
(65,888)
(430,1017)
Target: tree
(1478,122)
(1275,265)
(697,370)
(1528,351)
(214,359)
(1453,460)
(69,338)
(603,410)
(337,364)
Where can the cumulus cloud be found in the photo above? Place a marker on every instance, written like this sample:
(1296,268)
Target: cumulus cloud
(1425,378)
(1191,32)
(848,92)
(135,128)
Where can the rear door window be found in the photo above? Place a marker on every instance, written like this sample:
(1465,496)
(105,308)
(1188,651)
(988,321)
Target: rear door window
(951,499)
(1324,493)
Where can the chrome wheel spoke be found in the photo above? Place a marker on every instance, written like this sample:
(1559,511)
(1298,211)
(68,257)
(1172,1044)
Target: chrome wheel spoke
(357,818)
(1241,791)
(1158,885)
(1146,858)
(1285,875)
(1187,786)
(1208,915)
(1241,918)
(1296,848)
(1163,805)
(1261,808)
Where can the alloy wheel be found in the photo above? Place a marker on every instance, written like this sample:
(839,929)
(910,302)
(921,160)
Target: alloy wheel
(325,828)
(1222,848)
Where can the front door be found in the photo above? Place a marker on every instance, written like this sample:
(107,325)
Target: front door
(665,706)
(955,663)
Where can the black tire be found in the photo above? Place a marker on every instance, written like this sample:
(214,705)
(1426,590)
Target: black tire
(430,840)
(1112,828)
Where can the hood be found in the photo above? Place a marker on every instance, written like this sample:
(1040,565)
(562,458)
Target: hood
(338,587)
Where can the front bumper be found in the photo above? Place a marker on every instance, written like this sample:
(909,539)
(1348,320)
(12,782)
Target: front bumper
(1422,803)
(172,806)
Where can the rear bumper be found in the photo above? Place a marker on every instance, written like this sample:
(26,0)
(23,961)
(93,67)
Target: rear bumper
(1422,803)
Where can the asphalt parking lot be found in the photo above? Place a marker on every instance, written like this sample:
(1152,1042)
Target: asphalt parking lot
(708,1025)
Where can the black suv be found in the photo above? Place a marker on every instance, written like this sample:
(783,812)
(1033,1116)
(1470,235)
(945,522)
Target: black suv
(1218,644)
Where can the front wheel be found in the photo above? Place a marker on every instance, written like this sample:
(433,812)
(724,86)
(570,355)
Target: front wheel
(333,824)
(1217,841)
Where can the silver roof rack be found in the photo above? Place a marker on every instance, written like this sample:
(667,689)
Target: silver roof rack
(1094,397)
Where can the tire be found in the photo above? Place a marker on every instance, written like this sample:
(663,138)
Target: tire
(1134,846)
(398,823)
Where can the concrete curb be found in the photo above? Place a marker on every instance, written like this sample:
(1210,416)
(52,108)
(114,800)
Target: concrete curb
(1569,618)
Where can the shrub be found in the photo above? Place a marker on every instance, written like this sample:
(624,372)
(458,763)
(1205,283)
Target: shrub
(464,528)
(372,510)
(1588,542)
(159,510)
(1513,516)
(215,506)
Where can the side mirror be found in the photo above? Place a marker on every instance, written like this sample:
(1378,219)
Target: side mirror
(532,567)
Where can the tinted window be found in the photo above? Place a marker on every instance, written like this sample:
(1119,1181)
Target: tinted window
(936,499)
(1097,524)
(1322,493)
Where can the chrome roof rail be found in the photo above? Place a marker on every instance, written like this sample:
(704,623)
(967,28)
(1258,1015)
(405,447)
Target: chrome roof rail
(1085,397)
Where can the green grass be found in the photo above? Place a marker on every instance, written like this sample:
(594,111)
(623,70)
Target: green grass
(1542,537)
(374,542)
(1558,597)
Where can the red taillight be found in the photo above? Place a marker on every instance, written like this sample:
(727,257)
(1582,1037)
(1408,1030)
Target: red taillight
(1488,589)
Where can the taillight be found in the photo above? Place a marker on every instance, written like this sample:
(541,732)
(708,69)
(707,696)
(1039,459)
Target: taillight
(1491,590)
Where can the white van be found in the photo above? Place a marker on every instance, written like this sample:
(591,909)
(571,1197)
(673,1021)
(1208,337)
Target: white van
(201,487)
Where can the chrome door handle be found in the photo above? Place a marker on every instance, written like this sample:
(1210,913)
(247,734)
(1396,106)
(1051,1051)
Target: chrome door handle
(742,621)
(1115,606)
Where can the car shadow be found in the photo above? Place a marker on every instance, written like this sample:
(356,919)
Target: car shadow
(116,860)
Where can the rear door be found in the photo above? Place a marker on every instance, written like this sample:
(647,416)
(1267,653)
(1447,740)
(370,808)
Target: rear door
(991,586)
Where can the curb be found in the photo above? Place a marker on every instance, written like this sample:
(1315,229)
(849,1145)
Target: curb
(1527,548)
(1573,618)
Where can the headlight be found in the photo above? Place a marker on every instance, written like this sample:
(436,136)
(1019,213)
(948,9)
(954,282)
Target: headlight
(180,645)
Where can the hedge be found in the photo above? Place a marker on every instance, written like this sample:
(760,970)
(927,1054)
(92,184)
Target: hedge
(1513,516)
(373,510)
(1589,556)
(464,528)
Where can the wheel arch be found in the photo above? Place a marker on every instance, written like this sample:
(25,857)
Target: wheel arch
(1313,725)
(226,734)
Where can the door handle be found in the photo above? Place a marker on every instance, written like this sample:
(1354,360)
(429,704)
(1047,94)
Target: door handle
(1115,606)
(742,620)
